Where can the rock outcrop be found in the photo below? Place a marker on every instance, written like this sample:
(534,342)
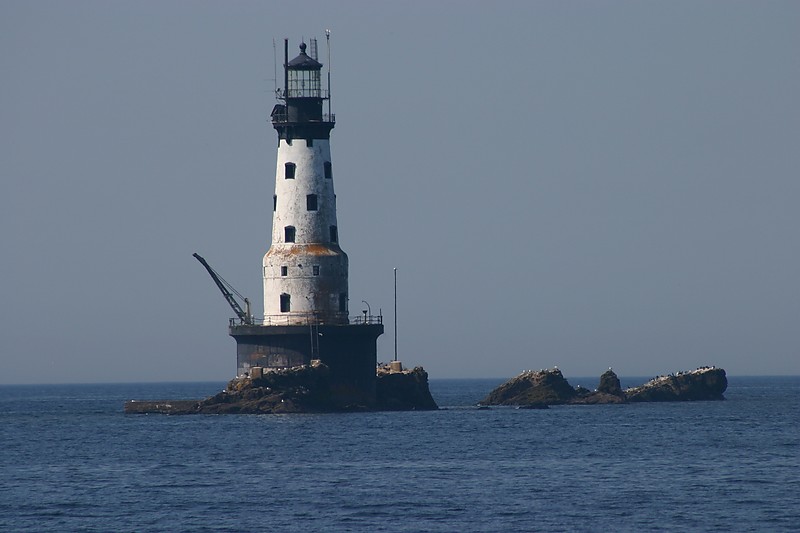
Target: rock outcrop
(608,391)
(609,384)
(706,383)
(545,387)
(406,390)
(549,387)
(302,389)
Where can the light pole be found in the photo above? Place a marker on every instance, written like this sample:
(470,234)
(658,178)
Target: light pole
(395,314)
(369,309)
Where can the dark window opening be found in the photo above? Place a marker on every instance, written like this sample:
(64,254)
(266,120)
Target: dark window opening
(309,142)
(290,168)
(342,302)
(284,271)
(328,170)
(286,303)
(315,270)
(311,202)
(288,234)
(334,234)
(274,202)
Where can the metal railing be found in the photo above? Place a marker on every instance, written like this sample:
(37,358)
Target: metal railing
(367,319)
(308,319)
(283,118)
(295,92)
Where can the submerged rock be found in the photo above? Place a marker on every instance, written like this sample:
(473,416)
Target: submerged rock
(533,406)
(163,407)
(549,387)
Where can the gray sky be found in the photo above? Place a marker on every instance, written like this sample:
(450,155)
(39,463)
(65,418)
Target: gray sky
(581,184)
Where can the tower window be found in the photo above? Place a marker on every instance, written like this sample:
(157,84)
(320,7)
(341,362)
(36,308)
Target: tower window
(342,302)
(309,142)
(315,270)
(274,202)
(288,234)
(286,303)
(311,202)
(334,234)
(284,271)
(290,168)
(328,170)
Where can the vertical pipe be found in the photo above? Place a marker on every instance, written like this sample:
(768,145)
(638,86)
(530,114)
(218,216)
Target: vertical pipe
(275,67)
(286,70)
(328,39)
(395,314)
(311,338)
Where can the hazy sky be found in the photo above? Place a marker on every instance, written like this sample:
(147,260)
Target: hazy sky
(581,184)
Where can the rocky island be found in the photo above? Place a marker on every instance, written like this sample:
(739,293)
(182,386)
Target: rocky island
(543,388)
(308,389)
(300,389)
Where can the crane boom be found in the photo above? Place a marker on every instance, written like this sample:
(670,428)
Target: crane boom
(226,288)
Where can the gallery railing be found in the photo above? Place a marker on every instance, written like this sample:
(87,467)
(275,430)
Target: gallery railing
(309,319)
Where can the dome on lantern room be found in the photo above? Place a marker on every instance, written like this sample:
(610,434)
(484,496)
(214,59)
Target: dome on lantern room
(304,61)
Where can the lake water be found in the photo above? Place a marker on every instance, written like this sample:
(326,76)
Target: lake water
(72,461)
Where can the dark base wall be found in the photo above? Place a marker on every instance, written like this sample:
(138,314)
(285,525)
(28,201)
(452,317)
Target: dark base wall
(350,351)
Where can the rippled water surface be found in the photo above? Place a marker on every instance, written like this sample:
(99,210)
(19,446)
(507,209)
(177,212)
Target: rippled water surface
(71,460)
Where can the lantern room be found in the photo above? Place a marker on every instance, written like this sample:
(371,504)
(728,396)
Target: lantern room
(303,76)
(303,94)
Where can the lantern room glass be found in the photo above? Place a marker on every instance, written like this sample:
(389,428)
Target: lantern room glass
(304,84)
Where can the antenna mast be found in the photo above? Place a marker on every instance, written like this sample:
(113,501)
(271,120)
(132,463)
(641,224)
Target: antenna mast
(312,48)
(275,67)
(328,40)
(285,70)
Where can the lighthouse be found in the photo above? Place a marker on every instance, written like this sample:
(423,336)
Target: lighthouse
(305,271)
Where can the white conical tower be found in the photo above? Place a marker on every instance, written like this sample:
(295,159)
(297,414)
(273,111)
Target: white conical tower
(305,270)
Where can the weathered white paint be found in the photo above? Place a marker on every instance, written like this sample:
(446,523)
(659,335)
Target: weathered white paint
(311,295)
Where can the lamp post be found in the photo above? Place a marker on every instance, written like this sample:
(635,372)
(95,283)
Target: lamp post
(369,309)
